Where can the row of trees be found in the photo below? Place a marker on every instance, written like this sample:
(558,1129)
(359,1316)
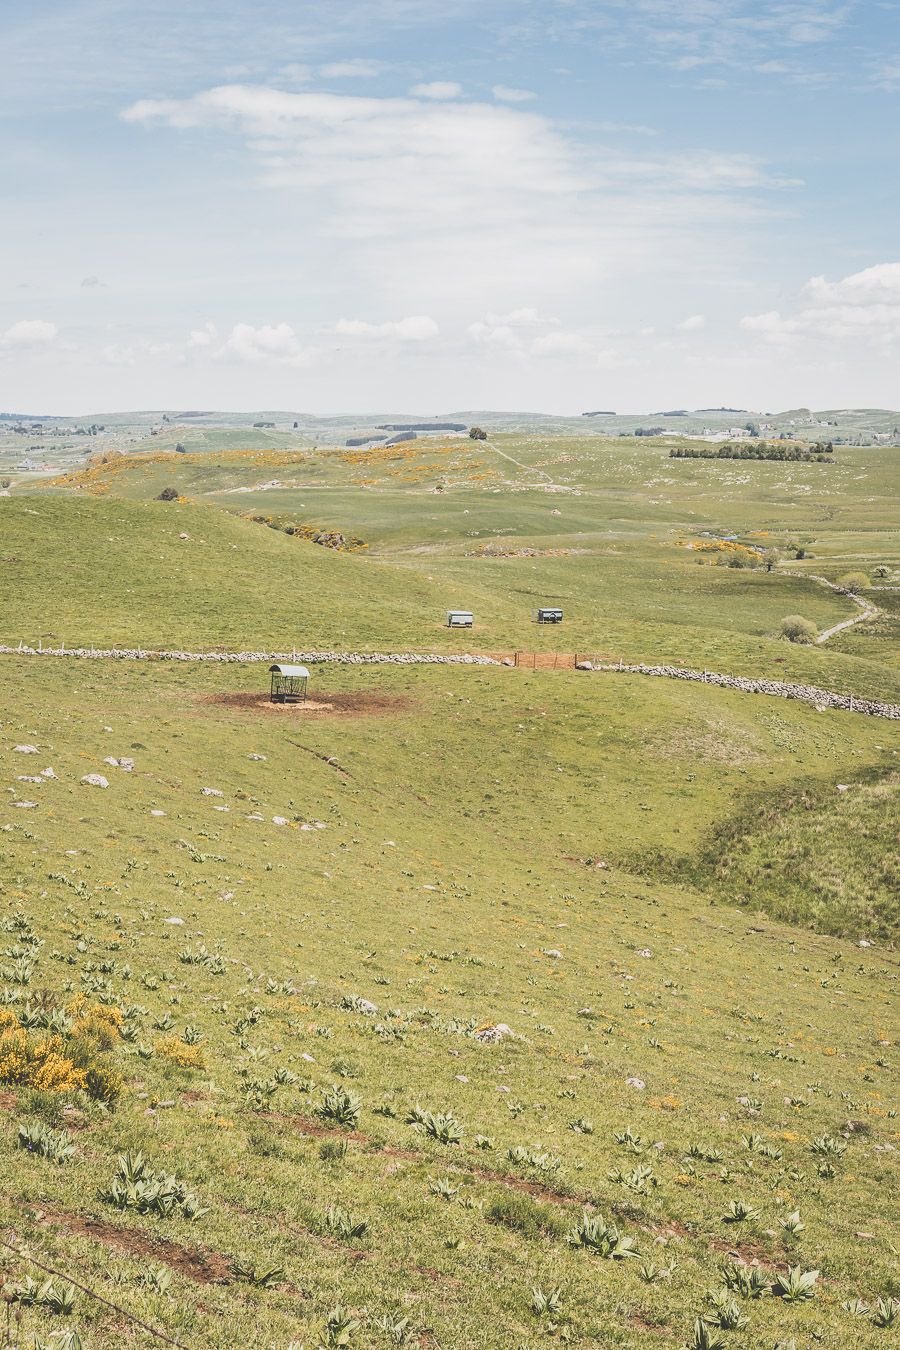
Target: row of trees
(819,453)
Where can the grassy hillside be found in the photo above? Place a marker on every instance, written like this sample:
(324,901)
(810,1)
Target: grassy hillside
(132,579)
(440,858)
(464,1008)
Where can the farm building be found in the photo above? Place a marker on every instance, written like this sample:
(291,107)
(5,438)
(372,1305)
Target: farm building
(289,683)
(548,614)
(459,618)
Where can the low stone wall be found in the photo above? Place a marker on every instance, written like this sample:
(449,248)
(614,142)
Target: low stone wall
(806,693)
(304,658)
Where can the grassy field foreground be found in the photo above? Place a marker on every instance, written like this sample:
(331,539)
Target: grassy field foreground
(393,992)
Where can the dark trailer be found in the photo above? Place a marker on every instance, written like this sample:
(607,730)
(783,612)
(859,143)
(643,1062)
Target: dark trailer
(548,615)
(288,683)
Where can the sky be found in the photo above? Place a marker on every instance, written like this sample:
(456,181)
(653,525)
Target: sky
(425,206)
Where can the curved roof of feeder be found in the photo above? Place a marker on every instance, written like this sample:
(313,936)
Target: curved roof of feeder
(282,668)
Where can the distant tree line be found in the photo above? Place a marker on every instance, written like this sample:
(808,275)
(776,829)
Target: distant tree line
(820,453)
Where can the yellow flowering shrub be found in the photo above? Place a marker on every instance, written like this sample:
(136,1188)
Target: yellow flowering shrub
(37,1064)
(185,1056)
(98,1022)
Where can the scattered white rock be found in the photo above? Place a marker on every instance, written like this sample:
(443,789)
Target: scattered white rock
(95,780)
(122,763)
(280,820)
(27,749)
(260,757)
(155,812)
(552,952)
(645,951)
(26,806)
(843,787)
(864,942)
(47,773)
(184,536)
(366,1006)
(176,922)
(27,778)
(635,1083)
(254,815)
(211,792)
(308,1058)
(461,1078)
(221,808)
(493,1034)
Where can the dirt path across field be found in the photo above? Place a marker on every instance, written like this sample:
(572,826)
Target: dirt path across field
(866,608)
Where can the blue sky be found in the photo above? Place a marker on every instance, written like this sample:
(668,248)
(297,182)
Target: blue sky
(413,205)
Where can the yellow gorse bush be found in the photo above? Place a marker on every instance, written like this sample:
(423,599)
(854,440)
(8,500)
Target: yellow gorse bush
(37,1064)
(89,1017)
(185,1056)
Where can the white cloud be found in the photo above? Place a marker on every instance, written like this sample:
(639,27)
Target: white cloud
(295,73)
(504,330)
(693,323)
(415,328)
(505,94)
(887,75)
(525,317)
(202,337)
(358,68)
(462,207)
(117,355)
(29,333)
(270,343)
(862,306)
(560,344)
(495,335)
(437,89)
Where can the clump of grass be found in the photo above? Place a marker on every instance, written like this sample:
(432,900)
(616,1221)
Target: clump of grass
(340,1105)
(523,1214)
(52,1144)
(136,1186)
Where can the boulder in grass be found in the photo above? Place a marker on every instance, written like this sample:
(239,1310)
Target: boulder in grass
(27,749)
(95,780)
(493,1034)
(211,792)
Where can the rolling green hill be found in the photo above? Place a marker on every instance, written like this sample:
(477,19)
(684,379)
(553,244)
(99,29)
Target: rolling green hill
(464,1007)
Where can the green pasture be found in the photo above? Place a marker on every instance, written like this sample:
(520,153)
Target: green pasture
(469,860)
(269,949)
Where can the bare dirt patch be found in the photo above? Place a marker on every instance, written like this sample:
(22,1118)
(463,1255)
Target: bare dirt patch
(195,1263)
(373,702)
